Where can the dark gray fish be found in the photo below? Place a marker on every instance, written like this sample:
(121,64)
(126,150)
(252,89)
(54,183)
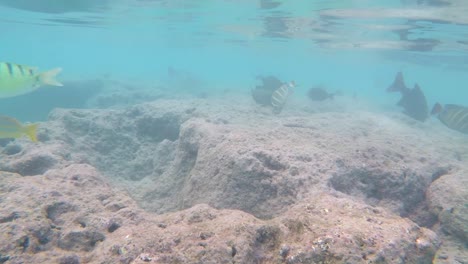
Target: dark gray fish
(413,100)
(318,93)
(453,116)
(262,93)
(270,83)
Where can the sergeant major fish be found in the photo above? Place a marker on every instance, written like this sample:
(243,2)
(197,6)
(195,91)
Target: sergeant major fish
(16,79)
(12,128)
(280,95)
(453,116)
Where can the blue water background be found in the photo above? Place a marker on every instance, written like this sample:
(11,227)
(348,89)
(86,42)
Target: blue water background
(225,44)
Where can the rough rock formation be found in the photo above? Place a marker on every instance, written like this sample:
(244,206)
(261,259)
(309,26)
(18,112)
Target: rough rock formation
(72,215)
(231,183)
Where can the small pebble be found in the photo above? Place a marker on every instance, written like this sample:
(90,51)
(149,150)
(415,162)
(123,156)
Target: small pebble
(202,244)
(233,251)
(284,251)
(443,257)
(145,258)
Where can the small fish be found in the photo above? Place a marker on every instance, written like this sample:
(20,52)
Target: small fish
(270,83)
(262,93)
(413,100)
(16,79)
(280,95)
(318,93)
(453,116)
(12,128)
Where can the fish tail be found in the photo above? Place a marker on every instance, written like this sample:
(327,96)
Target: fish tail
(48,77)
(31,132)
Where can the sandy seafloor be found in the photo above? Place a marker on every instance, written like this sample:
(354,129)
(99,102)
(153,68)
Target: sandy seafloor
(219,179)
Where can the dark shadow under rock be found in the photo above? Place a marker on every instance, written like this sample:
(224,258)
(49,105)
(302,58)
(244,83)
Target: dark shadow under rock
(12,149)
(55,210)
(35,158)
(448,202)
(138,135)
(80,241)
(158,128)
(73,259)
(43,234)
(402,191)
(30,165)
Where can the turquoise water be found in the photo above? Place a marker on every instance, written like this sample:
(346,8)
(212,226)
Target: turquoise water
(355,46)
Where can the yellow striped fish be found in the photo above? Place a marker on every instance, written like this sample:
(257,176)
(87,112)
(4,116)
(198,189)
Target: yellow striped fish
(280,95)
(16,79)
(453,116)
(12,128)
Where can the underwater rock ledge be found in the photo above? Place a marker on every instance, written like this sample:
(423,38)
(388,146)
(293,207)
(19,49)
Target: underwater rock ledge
(229,183)
(73,213)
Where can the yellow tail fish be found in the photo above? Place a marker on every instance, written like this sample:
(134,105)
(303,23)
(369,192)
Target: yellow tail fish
(16,79)
(12,128)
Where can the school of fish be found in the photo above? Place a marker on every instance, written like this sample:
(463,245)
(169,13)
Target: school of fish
(18,79)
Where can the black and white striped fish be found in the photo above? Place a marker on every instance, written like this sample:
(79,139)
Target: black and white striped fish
(453,116)
(280,95)
(17,79)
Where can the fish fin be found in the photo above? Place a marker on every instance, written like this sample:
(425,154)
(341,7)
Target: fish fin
(436,109)
(417,88)
(398,84)
(31,132)
(48,77)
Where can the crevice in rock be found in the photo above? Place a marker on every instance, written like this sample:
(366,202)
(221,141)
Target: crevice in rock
(157,129)
(403,192)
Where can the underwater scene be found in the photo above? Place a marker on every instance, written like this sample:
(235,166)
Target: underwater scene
(222,131)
